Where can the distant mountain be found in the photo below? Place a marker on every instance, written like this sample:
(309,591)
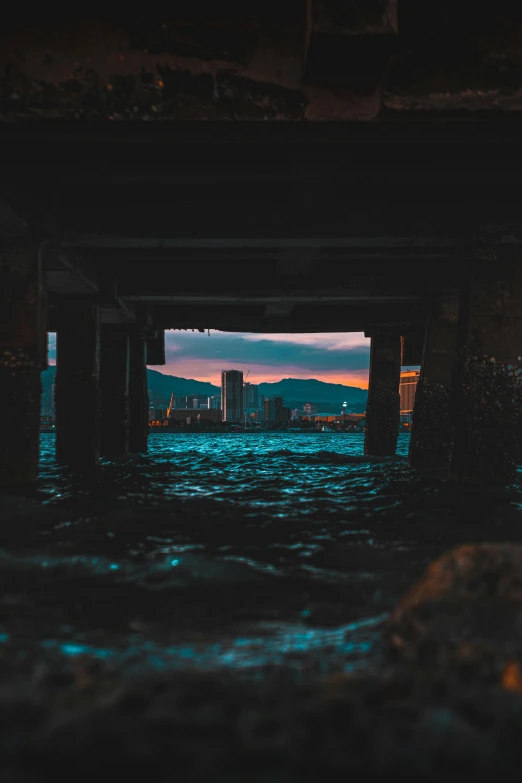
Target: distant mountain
(293,389)
(160,385)
(310,390)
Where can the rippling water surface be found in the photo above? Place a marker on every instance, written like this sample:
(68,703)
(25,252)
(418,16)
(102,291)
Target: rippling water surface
(237,551)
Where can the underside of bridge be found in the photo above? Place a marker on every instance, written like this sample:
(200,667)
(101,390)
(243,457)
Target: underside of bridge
(301,167)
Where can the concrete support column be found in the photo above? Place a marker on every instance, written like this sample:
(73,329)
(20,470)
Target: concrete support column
(23,354)
(383,407)
(432,435)
(156,349)
(114,377)
(138,392)
(487,402)
(78,411)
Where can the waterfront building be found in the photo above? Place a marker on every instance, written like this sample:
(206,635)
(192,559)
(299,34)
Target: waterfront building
(408,386)
(340,420)
(232,395)
(158,417)
(187,416)
(310,408)
(192,401)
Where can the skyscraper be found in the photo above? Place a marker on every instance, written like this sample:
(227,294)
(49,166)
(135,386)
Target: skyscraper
(274,409)
(250,395)
(232,395)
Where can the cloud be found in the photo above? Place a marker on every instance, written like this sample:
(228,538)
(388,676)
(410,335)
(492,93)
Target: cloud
(334,357)
(330,341)
(339,358)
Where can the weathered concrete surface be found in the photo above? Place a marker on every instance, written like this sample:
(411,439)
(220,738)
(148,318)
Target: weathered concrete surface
(78,396)
(464,612)
(432,436)
(138,394)
(463,60)
(169,68)
(314,60)
(114,375)
(23,354)
(487,403)
(383,407)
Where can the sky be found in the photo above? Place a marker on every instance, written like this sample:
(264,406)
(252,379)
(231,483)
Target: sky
(333,357)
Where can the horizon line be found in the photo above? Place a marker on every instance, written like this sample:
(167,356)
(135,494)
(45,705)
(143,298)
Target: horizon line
(330,383)
(52,363)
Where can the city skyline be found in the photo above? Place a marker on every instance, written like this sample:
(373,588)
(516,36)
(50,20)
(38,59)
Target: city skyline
(333,357)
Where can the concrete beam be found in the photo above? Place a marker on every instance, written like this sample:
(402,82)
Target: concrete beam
(67,273)
(337,17)
(87,241)
(347,44)
(204,300)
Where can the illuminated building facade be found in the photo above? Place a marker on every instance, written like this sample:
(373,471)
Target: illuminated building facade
(407,388)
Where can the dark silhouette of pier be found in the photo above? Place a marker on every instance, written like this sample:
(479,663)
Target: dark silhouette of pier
(184,174)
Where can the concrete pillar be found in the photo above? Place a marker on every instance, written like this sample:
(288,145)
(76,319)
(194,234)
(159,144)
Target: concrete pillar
(432,435)
(23,354)
(156,349)
(138,392)
(487,401)
(78,410)
(383,407)
(114,378)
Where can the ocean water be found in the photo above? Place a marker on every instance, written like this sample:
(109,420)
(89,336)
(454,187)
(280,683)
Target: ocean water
(241,551)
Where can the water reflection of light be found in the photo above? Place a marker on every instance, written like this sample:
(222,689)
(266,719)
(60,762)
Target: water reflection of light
(345,646)
(279,505)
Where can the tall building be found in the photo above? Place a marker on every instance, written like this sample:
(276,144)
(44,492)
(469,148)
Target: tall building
(407,388)
(274,410)
(214,402)
(232,395)
(250,395)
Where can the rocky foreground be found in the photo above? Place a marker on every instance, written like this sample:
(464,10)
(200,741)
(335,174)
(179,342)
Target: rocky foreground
(448,699)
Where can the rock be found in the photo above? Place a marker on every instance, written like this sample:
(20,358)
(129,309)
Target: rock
(467,610)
